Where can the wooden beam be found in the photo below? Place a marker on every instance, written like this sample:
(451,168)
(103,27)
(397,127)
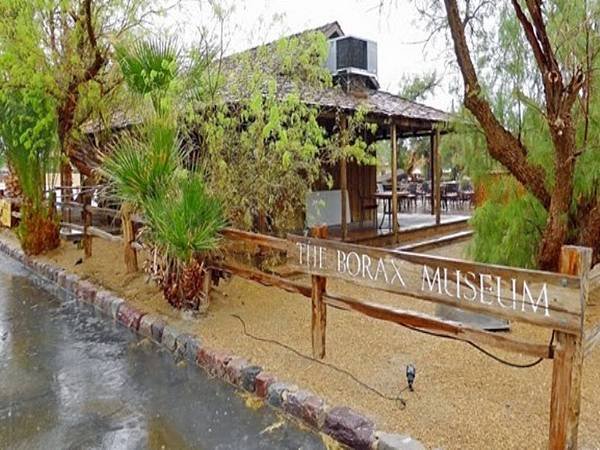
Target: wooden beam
(432,173)
(540,298)
(451,329)
(394,218)
(437,190)
(565,400)
(344,199)
(318,306)
(94,231)
(129,253)
(344,176)
(261,240)
(266,279)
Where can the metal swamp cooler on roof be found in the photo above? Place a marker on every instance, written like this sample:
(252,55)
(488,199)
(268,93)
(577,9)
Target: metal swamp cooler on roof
(353,58)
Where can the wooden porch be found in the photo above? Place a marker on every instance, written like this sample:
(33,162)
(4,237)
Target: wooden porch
(412,227)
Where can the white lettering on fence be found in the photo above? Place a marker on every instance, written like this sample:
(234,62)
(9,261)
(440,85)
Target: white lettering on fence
(487,289)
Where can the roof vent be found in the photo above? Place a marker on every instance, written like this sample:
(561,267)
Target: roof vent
(354,57)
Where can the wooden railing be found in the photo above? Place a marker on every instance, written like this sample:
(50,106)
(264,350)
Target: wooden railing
(554,301)
(563,312)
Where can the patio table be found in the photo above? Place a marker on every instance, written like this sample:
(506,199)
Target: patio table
(386,196)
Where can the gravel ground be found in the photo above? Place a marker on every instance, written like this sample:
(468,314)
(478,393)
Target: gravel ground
(462,398)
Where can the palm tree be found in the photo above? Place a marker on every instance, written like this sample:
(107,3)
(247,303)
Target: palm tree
(146,171)
(184,225)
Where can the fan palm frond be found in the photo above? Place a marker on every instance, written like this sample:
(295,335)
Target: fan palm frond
(142,169)
(185,222)
(150,66)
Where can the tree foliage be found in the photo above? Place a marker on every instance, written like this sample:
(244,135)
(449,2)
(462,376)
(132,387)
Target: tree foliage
(530,75)
(65,47)
(260,141)
(28,144)
(147,169)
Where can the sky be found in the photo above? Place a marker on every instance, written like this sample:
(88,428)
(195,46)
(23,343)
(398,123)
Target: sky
(397,30)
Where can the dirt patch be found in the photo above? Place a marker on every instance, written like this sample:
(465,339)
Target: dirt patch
(462,398)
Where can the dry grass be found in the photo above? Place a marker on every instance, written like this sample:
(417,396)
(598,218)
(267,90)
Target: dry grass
(462,400)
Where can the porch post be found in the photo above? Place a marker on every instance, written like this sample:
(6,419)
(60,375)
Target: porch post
(394,217)
(437,193)
(344,190)
(431,173)
(344,183)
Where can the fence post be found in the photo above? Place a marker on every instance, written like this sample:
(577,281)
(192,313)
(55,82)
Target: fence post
(86,216)
(319,308)
(206,286)
(568,360)
(128,238)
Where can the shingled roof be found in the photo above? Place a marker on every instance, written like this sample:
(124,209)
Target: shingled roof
(379,104)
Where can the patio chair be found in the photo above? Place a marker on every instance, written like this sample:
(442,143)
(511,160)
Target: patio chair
(426,193)
(411,198)
(450,194)
(466,194)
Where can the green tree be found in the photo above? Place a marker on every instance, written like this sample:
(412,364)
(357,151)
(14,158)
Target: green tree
(28,144)
(68,45)
(260,141)
(529,71)
(147,170)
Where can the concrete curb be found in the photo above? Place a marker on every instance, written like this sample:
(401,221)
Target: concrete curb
(341,423)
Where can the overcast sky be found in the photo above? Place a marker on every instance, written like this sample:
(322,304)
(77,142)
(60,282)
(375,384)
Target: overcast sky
(397,31)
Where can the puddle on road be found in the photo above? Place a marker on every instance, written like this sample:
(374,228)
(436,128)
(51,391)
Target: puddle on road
(70,378)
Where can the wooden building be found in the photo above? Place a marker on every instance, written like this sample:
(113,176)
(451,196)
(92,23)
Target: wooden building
(353,64)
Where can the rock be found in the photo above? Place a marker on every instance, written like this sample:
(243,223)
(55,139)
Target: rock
(108,303)
(262,382)
(60,278)
(103,301)
(152,327)
(214,361)
(388,441)
(221,359)
(205,357)
(188,346)
(145,328)
(169,337)
(349,427)
(129,316)
(306,406)
(278,392)
(233,370)
(71,281)
(53,272)
(114,305)
(249,374)
(100,295)
(157,329)
(85,291)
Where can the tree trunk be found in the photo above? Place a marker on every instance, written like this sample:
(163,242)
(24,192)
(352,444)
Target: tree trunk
(509,150)
(556,233)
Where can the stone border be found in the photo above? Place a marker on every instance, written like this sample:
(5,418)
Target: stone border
(339,422)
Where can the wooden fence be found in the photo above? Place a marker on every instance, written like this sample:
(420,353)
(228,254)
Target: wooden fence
(553,301)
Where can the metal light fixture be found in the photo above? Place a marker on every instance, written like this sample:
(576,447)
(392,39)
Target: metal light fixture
(411,374)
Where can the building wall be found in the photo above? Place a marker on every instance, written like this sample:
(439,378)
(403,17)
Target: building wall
(362,181)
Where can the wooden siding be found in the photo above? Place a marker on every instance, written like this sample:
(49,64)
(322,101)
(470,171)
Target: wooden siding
(362,181)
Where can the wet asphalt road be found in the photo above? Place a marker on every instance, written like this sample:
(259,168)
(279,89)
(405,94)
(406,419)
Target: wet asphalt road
(72,379)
